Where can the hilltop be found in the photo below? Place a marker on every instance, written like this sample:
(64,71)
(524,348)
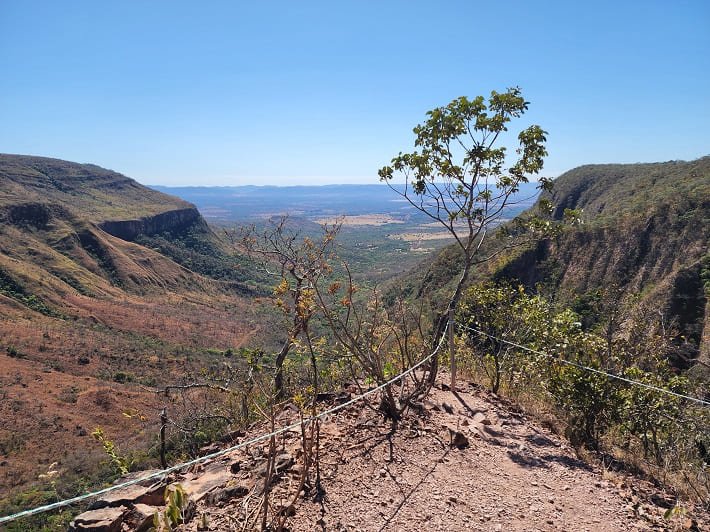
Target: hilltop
(100,195)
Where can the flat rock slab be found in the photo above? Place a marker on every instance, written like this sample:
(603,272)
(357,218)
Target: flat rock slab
(140,517)
(101,520)
(214,476)
(153,495)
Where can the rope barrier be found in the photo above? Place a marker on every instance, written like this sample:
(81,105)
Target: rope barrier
(164,472)
(593,370)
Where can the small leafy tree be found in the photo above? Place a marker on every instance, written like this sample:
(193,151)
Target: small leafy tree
(506,315)
(120,463)
(491,309)
(461,178)
(300,264)
(177,509)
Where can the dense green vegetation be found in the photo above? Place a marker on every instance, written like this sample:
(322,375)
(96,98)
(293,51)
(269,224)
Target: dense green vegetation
(705,273)
(198,250)
(608,192)
(661,434)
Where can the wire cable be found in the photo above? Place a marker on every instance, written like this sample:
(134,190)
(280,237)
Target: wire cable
(593,370)
(164,472)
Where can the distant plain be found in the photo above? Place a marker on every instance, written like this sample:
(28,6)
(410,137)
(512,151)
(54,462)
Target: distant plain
(382,235)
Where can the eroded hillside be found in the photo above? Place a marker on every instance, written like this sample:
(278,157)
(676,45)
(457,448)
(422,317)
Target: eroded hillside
(645,229)
(644,233)
(107,289)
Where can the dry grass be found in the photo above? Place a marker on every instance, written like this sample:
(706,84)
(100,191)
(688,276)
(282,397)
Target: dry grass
(60,385)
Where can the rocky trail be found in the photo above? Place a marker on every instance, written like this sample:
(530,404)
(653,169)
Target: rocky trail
(463,461)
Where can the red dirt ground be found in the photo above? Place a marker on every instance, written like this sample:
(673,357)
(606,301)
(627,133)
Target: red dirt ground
(513,475)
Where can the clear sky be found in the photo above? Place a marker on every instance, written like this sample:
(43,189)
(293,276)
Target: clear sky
(299,92)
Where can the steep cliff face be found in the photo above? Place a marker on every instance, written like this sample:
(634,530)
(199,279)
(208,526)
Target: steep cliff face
(646,230)
(177,220)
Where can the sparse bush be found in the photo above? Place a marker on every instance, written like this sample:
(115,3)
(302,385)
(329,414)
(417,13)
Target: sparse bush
(104,399)
(147,381)
(123,377)
(54,365)
(120,463)
(13,352)
(177,509)
(69,394)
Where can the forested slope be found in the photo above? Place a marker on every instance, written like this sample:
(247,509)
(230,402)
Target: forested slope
(645,229)
(644,232)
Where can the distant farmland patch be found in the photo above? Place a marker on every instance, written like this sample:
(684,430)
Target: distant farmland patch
(361,219)
(417,237)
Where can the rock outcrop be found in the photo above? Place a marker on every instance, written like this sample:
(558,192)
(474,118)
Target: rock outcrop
(170,221)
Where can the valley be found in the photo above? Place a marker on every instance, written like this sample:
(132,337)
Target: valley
(110,290)
(113,294)
(382,236)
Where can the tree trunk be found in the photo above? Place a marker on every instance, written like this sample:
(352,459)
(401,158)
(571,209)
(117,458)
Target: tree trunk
(279,375)
(443,319)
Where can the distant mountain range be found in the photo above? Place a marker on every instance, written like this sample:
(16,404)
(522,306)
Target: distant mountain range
(229,204)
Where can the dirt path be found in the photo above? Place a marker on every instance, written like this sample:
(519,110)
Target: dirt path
(511,476)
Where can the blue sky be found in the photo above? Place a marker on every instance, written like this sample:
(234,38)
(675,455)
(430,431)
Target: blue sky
(230,93)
